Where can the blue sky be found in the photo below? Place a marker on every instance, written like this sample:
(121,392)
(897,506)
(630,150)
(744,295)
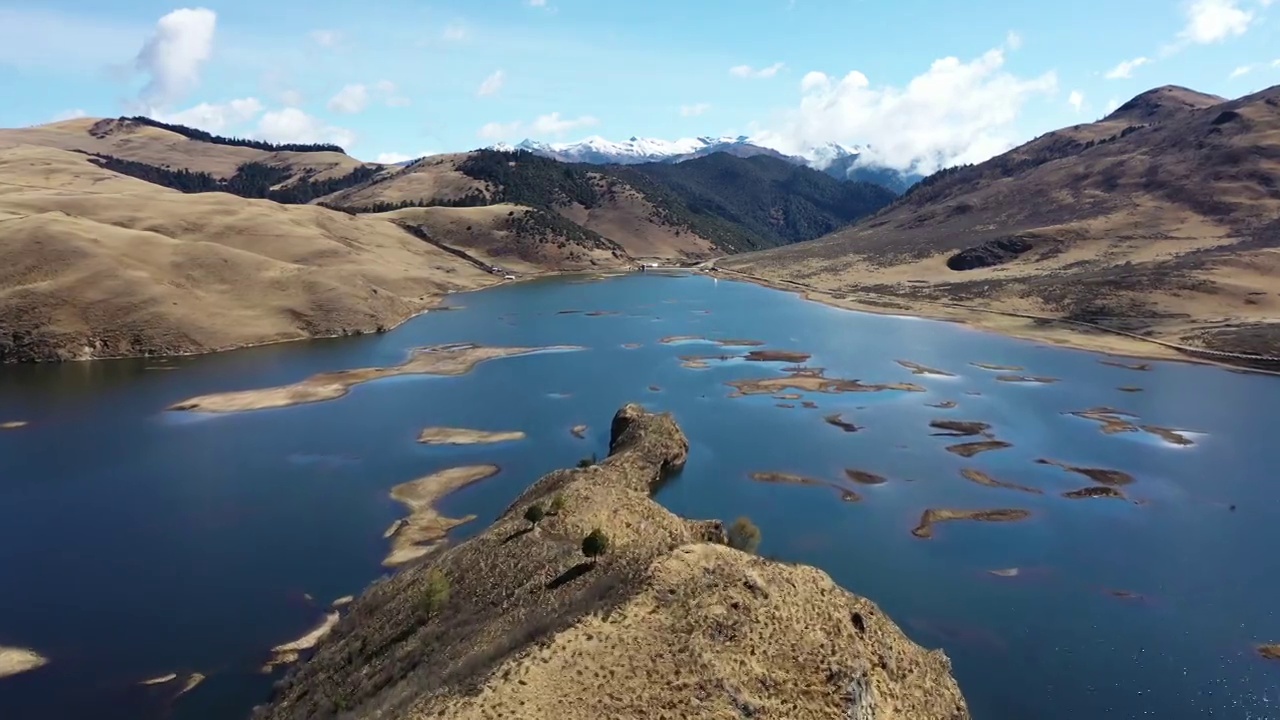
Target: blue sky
(922,81)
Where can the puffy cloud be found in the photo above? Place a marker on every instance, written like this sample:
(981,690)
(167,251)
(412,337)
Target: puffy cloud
(325,38)
(68,115)
(350,99)
(1210,21)
(694,110)
(1076,100)
(214,118)
(954,112)
(1125,69)
(813,80)
(292,125)
(175,53)
(746,71)
(1240,71)
(553,124)
(498,131)
(492,84)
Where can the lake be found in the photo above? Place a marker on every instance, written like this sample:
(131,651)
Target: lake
(136,542)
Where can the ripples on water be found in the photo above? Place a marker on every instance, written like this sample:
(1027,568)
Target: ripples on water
(143,542)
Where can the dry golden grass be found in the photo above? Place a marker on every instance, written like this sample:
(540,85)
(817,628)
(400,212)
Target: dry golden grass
(432,178)
(1170,231)
(95,264)
(669,623)
(154,146)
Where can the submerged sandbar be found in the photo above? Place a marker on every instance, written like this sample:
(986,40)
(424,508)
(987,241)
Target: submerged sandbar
(13,424)
(455,359)
(812,380)
(981,478)
(421,532)
(290,652)
(463,436)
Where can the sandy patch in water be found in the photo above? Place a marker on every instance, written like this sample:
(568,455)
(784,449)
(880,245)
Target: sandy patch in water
(933,516)
(463,436)
(19,660)
(457,359)
(424,529)
(291,651)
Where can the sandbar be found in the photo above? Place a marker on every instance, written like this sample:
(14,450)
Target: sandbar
(13,424)
(960,428)
(19,660)
(631,346)
(423,530)
(463,436)
(343,601)
(1026,379)
(778,478)
(160,680)
(579,431)
(788,396)
(981,478)
(193,680)
(862,477)
(838,420)
(1101,476)
(933,516)
(970,449)
(998,368)
(809,404)
(1129,388)
(812,380)
(945,404)
(732,342)
(698,362)
(1127,366)
(1113,421)
(790,356)
(1005,572)
(456,359)
(1269,651)
(1094,491)
(291,651)
(918,369)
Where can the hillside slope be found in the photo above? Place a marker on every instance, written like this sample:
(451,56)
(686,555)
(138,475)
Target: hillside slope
(1162,219)
(96,264)
(669,623)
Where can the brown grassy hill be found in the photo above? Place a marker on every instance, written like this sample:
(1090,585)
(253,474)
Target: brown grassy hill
(669,623)
(130,140)
(96,264)
(514,237)
(1163,218)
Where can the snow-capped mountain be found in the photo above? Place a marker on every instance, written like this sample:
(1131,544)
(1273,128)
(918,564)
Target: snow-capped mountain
(839,161)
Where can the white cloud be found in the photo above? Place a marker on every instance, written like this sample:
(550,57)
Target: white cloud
(553,124)
(814,80)
(1240,71)
(214,118)
(1125,69)
(954,112)
(325,38)
(694,110)
(292,125)
(746,71)
(498,131)
(291,98)
(68,115)
(175,53)
(390,95)
(350,99)
(1013,40)
(492,84)
(455,32)
(1210,21)
(1076,100)
(391,158)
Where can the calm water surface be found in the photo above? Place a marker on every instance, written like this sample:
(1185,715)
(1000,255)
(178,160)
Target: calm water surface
(135,542)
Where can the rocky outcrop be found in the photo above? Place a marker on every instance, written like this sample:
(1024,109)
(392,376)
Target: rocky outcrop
(989,254)
(670,622)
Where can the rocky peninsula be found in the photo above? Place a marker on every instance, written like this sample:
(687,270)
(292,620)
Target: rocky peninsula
(668,621)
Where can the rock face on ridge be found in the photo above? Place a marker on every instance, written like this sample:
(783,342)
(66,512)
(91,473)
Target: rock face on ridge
(669,623)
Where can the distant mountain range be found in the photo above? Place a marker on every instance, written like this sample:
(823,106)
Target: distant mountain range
(839,161)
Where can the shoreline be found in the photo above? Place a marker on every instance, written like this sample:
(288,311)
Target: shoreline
(1069,335)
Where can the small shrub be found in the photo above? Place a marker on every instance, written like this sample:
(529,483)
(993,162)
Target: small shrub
(595,544)
(587,462)
(436,593)
(534,514)
(557,504)
(744,535)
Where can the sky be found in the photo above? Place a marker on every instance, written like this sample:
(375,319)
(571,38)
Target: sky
(922,83)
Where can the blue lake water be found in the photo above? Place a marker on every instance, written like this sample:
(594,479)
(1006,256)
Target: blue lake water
(135,542)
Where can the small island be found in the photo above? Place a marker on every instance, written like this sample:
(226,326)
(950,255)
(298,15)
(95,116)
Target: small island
(462,436)
(422,531)
(15,660)
(933,516)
